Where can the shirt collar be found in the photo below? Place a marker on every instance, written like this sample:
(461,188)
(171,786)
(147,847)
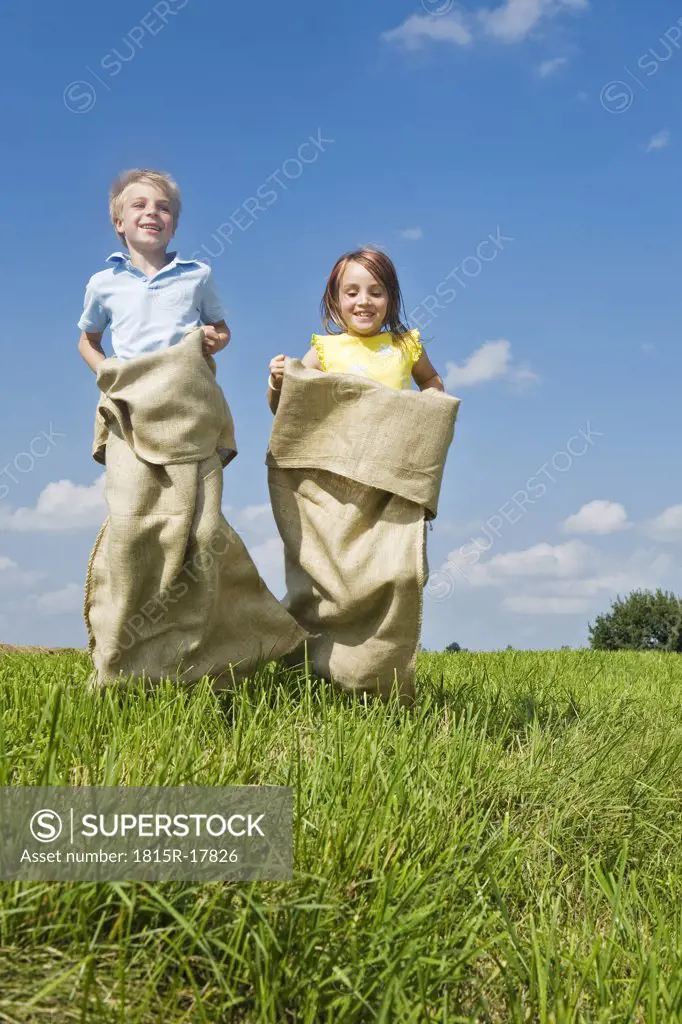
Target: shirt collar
(123,259)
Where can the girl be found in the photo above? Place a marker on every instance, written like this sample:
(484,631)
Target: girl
(351,500)
(363,302)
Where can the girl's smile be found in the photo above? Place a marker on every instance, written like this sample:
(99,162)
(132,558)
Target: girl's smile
(363,301)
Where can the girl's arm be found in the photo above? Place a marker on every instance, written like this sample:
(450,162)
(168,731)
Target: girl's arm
(276,368)
(425,376)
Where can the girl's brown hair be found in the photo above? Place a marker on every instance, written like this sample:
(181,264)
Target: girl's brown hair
(381,267)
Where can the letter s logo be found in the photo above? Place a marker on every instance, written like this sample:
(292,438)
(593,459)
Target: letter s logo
(46,826)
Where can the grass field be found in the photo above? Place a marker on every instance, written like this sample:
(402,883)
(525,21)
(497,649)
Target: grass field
(510,851)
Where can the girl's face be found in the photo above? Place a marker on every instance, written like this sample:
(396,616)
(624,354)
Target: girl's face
(363,301)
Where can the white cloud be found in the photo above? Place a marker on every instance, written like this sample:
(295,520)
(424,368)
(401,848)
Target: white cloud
(659,141)
(253,512)
(509,22)
(565,579)
(513,20)
(597,517)
(580,589)
(411,234)
(60,602)
(642,570)
(666,526)
(491,361)
(269,560)
(520,376)
(256,522)
(62,505)
(12,576)
(418,28)
(550,67)
(569,560)
(528,605)
(542,560)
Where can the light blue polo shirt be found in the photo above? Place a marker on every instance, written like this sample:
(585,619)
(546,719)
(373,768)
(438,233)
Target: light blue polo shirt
(149,313)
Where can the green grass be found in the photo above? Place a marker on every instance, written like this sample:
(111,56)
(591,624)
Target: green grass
(511,850)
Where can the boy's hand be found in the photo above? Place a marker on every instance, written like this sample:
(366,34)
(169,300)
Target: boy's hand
(277,370)
(216,337)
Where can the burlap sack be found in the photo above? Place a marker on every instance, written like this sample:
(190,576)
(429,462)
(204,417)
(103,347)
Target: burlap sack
(171,589)
(354,470)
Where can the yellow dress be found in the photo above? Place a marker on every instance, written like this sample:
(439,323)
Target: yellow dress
(382,357)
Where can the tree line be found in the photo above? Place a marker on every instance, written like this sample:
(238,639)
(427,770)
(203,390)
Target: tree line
(645,620)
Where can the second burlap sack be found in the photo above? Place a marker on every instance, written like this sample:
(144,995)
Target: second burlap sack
(355,470)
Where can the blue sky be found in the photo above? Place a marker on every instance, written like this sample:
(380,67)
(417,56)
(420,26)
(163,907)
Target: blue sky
(551,125)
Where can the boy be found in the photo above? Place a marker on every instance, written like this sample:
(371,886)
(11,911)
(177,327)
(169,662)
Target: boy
(149,297)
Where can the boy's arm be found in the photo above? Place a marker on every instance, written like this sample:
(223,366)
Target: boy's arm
(90,347)
(425,376)
(93,323)
(216,331)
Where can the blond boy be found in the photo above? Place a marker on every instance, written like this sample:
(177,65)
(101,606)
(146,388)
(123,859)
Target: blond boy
(148,297)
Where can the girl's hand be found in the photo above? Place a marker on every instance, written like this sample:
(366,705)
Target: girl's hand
(277,370)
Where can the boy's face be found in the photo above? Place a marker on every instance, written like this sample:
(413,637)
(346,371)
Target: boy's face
(147,220)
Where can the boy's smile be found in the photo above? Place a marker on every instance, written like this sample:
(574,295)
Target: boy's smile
(146,218)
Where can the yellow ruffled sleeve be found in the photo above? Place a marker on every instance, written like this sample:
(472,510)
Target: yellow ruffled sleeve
(317,343)
(413,344)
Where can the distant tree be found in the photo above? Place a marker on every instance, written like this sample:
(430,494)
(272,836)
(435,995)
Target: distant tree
(453,648)
(643,621)
(509,647)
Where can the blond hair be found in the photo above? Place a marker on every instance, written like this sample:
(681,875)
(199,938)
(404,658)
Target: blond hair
(162,181)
